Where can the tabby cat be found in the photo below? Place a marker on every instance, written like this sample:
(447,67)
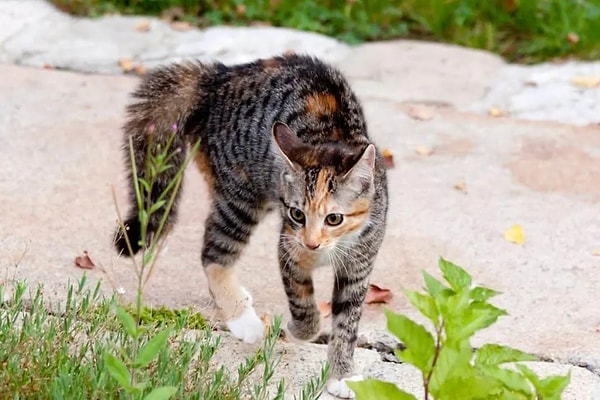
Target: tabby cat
(285,132)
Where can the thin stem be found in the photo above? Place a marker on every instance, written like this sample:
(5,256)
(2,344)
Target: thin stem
(438,348)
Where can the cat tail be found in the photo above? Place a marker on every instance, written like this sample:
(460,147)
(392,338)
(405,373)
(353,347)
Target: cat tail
(159,118)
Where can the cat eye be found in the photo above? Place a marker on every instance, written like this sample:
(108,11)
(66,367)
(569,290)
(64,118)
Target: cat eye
(334,219)
(297,215)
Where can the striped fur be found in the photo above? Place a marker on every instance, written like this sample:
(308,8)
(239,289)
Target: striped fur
(286,131)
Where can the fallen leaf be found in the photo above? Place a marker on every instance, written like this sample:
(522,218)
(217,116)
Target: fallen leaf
(424,151)
(140,69)
(515,234)
(420,112)
(460,186)
(388,158)
(587,82)
(143,26)
(126,64)
(377,294)
(84,261)
(572,37)
(47,66)
(181,26)
(325,308)
(496,112)
(598,329)
(596,253)
(240,10)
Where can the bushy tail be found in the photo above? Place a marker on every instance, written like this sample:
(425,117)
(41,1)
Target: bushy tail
(165,101)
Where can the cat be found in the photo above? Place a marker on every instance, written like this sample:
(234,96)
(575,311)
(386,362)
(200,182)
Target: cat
(286,132)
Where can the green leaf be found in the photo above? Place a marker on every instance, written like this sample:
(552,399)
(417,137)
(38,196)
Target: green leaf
(118,370)
(481,293)
(152,348)
(495,354)
(511,380)
(451,360)
(128,322)
(434,287)
(161,393)
(476,317)
(468,384)
(552,387)
(156,206)
(529,374)
(420,346)
(380,390)
(457,277)
(426,305)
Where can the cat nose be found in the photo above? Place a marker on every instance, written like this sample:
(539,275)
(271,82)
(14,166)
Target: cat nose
(312,246)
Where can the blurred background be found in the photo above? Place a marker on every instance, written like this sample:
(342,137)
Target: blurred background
(525,31)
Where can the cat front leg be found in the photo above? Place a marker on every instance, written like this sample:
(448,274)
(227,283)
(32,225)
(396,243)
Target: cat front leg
(346,308)
(296,273)
(228,229)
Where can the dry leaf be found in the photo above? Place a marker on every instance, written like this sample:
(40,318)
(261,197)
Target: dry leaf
(47,66)
(388,158)
(140,69)
(181,26)
(377,294)
(496,112)
(126,64)
(420,112)
(325,308)
(461,186)
(143,26)
(424,151)
(84,261)
(598,329)
(587,82)
(572,37)
(240,10)
(515,234)
(596,253)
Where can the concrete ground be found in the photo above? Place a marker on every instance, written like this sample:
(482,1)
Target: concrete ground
(478,147)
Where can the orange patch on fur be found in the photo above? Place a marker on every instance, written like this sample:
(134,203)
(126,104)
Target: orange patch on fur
(321,104)
(320,196)
(203,165)
(270,63)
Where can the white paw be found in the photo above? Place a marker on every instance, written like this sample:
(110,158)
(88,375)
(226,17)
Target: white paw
(247,327)
(338,387)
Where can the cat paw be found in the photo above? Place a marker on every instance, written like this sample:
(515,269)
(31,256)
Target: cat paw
(338,387)
(247,327)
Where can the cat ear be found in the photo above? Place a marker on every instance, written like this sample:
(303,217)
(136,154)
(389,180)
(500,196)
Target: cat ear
(362,170)
(288,143)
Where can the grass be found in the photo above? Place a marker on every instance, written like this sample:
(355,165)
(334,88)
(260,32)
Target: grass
(60,355)
(520,30)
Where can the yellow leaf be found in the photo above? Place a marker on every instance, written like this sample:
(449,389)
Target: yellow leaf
(596,253)
(496,112)
(515,235)
(424,151)
(587,82)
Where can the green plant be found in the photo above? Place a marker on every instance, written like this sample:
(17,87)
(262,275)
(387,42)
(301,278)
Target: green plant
(131,370)
(92,347)
(449,367)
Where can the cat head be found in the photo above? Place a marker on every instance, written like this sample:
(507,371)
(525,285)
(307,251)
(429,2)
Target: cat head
(326,190)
